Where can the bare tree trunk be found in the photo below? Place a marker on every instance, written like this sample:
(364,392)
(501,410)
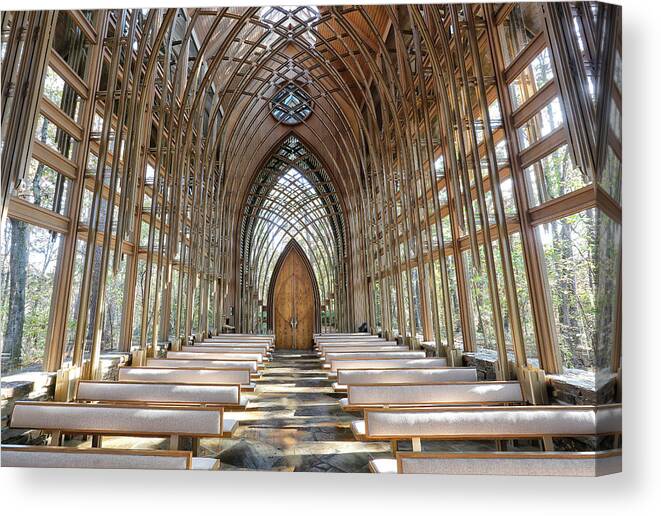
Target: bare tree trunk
(18,265)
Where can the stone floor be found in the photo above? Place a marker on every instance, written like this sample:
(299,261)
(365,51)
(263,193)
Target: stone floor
(294,423)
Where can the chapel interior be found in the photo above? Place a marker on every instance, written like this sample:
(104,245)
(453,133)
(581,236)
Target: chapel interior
(339,238)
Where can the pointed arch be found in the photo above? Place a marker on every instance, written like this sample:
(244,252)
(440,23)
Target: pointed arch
(294,247)
(291,197)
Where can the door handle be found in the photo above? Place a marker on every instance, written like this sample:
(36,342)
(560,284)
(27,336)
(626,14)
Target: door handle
(293,322)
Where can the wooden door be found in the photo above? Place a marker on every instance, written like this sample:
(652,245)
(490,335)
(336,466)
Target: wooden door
(293,303)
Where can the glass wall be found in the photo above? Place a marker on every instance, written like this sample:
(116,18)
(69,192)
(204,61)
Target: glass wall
(28,260)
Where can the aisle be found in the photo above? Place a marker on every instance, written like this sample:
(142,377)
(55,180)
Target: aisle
(295,423)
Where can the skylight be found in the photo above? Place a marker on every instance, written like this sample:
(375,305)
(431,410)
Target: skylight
(291,105)
(290,18)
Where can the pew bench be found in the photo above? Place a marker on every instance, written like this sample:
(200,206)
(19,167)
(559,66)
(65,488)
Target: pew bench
(352,342)
(539,422)
(149,393)
(236,337)
(229,343)
(384,363)
(257,357)
(573,464)
(338,355)
(129,420)
(362,396)
(188,375)
(358,349)
(403,376)
(168,363)
(225,347)
(19,456)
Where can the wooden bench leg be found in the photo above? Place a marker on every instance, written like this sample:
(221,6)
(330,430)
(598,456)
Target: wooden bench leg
(97,441)
(416,444)
(547,443)
(55,438)
(393,447)
(174,442)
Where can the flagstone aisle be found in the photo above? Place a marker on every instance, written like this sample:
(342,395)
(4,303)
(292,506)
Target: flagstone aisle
(294,423)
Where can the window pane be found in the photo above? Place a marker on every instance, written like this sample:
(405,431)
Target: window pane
(50,134)
(540,125)
(553,176)
(114,300)
(45,187)
(523,297)
(74,300)
(28,257)
(454,301)
(531,80)
(480,303)
(61,94)
(582,256)
(611,177)
(521,25)
(70,43)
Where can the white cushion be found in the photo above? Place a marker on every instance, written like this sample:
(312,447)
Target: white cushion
(117,419)
(416,376)
(387,466)
(358,428)
(257,357)
(339,388)
(203,364)
(159,392)
(229,426)
(388,363)
(576,464)
(338,355)
(463,392)
(369,344)
(205,463)
(527,421)
(193,376)
(361,349)
(47,457)
(225,349)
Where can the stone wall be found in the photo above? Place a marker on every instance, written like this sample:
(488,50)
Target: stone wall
(571,390)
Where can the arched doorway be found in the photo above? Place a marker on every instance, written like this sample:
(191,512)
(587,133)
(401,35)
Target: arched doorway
(293,300)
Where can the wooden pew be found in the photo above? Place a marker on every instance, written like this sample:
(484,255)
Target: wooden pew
(359,349)
(383,363)
(574,464)
(188,375)
(338,346)
(543,422)
(130,420)
(18,456)
(266,355)
(149,393)
(203,364)
(336,355)
(351,340)
(403,376)
(236,337)
(360,397)
(257,357)
(263,346)
(209,347)
(321,336)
